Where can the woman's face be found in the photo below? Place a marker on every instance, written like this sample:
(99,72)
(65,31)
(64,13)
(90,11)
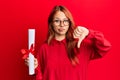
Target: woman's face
(60,24)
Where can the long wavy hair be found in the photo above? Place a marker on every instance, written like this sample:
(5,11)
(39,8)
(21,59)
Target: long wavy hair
(71,42)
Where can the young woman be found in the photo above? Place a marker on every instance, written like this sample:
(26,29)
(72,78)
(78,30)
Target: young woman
(68,49)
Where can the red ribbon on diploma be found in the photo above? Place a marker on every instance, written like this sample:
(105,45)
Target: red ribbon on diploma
(26,52)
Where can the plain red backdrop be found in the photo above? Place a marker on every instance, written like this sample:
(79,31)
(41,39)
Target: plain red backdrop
(17,16)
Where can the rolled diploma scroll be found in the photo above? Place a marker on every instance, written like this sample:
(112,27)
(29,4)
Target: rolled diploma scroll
(31,40)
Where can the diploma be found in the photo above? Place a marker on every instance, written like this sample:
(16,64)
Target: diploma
(31,41)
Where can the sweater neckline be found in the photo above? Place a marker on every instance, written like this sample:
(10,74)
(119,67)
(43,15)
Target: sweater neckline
(54,41)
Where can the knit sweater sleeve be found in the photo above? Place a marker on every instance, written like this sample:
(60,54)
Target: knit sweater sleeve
(39,69)
(99,45)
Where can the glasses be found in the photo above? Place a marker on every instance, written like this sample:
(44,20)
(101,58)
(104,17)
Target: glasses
(58,22)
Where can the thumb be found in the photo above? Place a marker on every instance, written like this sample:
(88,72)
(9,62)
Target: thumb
(80,41)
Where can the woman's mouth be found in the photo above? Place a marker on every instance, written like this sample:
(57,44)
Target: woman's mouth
(61,29)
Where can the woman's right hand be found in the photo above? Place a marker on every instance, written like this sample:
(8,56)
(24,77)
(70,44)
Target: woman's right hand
(35,62)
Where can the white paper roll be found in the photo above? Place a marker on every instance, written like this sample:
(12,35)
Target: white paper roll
(31,40)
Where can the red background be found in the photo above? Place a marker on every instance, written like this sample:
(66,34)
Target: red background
(17,16)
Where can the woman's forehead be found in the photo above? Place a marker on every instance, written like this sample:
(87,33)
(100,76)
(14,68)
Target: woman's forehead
(60,15)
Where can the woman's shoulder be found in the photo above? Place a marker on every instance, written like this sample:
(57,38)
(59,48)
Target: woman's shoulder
(43,47)
(44,44)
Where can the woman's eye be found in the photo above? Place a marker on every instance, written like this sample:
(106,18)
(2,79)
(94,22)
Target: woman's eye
(66,20)
(57,20)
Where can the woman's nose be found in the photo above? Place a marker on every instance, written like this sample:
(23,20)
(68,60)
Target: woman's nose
(61,23)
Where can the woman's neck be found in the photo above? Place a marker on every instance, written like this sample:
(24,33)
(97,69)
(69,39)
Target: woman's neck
(59,38)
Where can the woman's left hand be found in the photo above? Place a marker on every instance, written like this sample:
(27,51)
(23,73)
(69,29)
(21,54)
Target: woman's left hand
(80,33)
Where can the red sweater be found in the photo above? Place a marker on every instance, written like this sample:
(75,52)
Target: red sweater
(54,63)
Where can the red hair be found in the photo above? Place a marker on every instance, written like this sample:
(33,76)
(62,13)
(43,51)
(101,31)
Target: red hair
(71,43)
